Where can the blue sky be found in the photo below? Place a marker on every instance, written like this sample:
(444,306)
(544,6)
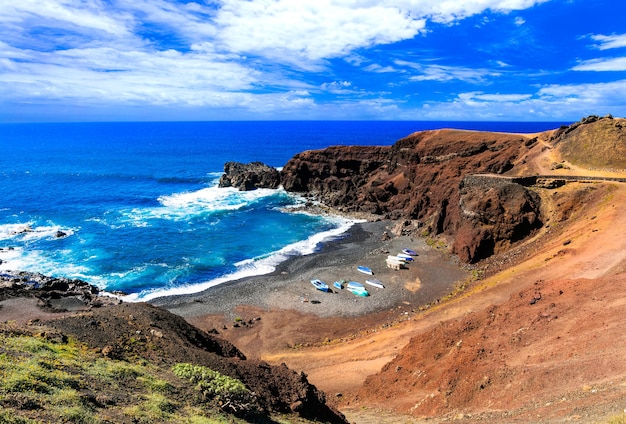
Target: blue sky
(508,60)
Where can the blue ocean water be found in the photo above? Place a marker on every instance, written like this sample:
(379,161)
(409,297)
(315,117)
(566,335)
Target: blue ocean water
(140,207)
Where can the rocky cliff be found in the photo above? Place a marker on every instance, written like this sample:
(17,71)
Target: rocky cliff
(421,178)
(428,178)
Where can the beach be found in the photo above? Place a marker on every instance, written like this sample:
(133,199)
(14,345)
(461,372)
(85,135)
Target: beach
(431,275)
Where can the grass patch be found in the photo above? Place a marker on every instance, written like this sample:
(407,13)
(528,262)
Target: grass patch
(617,419)
(154,408)
(62,380)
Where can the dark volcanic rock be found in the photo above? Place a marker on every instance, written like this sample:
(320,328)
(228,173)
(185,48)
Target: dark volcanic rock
(56,294)
(249,176)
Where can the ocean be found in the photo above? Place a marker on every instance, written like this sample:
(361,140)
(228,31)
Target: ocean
(135,207)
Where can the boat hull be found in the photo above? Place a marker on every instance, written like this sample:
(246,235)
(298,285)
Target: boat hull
(320,285)
(375,283)
(365,270)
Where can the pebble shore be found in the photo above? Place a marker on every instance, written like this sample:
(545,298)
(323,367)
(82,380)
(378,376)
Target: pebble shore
(429,277)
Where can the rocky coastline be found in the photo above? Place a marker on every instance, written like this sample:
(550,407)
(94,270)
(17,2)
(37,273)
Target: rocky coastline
(456,197)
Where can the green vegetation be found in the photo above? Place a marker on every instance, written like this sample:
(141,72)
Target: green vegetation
(229,393)
(618,419)
(47,378)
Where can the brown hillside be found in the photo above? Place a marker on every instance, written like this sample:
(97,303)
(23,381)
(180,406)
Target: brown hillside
(594,143)
(540,340)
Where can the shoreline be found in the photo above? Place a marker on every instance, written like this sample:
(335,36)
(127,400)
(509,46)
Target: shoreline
(429,277)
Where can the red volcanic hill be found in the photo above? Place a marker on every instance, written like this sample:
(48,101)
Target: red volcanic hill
(540,337)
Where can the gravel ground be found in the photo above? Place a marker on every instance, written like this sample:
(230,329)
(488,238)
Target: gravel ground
(431,276)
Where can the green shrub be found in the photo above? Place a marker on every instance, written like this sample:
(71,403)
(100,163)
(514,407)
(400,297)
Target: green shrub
(229,393)
(8,417)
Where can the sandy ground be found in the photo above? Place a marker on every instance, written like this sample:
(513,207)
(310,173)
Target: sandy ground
(283,310)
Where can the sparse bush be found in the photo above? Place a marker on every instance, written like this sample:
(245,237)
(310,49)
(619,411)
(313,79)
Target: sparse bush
(618,419)
(229,393)
(8,417)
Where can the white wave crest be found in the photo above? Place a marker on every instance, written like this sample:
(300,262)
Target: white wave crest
(37,261)
(182,206)
(214,198)
(26,232)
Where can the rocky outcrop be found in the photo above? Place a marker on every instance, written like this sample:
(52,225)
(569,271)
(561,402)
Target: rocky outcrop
(249,176)
(54,294)
(493,218)
(139,330)
(339,176)
(420,178)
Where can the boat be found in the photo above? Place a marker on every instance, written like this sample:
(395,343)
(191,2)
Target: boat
(409,252)
(364,270)
(355,285)
(338,284)
(405,257)
(376,283)
(357,289)
(320,285)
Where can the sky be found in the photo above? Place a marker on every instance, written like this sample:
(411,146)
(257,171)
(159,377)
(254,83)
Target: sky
(422,60)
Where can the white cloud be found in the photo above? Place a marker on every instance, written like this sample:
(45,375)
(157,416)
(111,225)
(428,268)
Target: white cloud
(610,64)
(336,85)
(596,92)
(108,75)
(374,67)
(445,73)
(609,41)
(499,98)
(192,21)
(92,14)
(449,11)
(311,30)
(253,55)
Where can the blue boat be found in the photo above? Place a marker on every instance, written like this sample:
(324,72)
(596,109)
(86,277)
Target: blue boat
(409,252)
(320,285)
(357,289)
(405,256)
(338,285)
(365,270)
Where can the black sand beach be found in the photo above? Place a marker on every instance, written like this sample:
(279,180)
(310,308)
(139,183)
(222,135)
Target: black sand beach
(429,277)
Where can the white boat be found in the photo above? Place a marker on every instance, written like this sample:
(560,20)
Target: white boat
(376,283)
(365,270)
(338,285)
(405,257)
(409,252)
(320,285)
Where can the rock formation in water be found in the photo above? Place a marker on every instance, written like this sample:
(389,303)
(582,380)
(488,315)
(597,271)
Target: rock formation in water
(249,176)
